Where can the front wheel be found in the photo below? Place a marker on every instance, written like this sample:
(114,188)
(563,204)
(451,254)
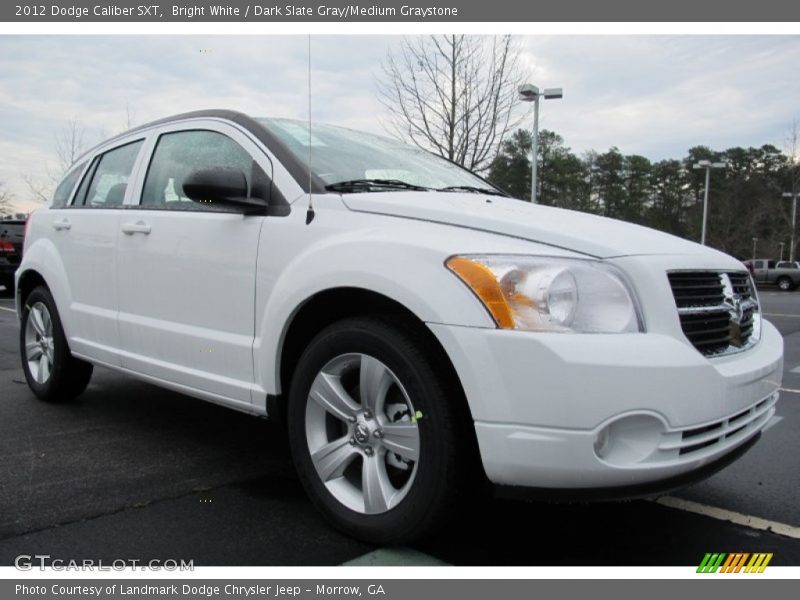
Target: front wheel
(375,434)
(785,284)
(51,371)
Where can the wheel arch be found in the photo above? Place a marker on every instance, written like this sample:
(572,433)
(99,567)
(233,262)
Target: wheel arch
(27,281)
(328,306)
(42,264)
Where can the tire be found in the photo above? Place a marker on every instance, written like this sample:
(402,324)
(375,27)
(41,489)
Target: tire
(409,393)
(51,371)
(785,284)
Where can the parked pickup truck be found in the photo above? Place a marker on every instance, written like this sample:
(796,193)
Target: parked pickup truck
(12,233)
(784,274)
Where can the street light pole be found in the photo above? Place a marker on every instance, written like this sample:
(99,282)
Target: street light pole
(781,245)
(793,196)
(755,241)
(707,165)
(535,149)
(531,93)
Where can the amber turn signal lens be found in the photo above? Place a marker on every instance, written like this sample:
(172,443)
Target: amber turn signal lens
(484,284)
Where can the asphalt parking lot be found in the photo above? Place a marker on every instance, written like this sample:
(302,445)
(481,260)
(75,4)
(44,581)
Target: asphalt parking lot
(135,472)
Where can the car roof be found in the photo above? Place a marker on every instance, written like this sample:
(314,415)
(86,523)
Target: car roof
(275,145)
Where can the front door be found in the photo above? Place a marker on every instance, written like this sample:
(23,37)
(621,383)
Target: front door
(187,270)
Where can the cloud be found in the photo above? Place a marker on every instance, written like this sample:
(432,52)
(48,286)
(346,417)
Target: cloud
(660,95)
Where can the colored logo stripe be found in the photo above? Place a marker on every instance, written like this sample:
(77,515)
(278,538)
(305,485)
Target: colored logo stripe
(711,563)
(734,562)
(758,563)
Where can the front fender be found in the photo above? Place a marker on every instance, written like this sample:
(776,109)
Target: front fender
(411,274)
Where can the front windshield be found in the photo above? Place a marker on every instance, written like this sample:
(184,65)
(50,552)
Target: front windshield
(343,155)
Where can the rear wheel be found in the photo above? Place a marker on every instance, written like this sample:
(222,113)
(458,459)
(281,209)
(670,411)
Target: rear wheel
(51,371)
(375,436)
(785,284)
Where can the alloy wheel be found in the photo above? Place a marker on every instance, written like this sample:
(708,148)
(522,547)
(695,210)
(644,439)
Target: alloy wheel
(39,344)
(362,433)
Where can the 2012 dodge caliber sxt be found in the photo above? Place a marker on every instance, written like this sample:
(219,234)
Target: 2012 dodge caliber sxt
(418,331)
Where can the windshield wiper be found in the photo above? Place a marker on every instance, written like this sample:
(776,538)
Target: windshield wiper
(366,185)
(470,188)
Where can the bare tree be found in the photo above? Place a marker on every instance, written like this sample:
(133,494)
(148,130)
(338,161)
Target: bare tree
(70,143)
(130,117)
(455,95)
(39,189)
(6,198)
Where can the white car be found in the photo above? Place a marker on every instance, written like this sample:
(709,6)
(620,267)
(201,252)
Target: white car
(419,331)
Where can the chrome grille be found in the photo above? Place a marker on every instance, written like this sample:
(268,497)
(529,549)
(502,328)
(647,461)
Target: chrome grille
(718,311)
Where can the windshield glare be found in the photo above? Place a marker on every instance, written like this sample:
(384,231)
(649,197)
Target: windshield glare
(339,155)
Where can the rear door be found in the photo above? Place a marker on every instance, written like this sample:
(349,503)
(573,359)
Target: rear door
(187,270)
(85,233)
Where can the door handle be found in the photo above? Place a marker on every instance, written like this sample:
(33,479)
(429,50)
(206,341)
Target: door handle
(138,227)
(62,224)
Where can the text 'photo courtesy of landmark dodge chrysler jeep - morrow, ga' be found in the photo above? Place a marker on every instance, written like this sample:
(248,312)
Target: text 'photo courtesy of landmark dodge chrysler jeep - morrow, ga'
(420,332)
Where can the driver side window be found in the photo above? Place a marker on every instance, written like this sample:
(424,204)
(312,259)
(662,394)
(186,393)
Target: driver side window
(177,155)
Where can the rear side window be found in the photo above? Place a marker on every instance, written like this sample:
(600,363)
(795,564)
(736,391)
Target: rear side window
(106,181)
(177,155)
(64,189)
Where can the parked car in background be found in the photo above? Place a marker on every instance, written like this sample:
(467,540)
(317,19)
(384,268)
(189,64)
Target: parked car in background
(420,332)
(12,233)
(784,274)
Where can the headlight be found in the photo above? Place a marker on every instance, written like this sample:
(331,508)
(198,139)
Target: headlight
(550,294)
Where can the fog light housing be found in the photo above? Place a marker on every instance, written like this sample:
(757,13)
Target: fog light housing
(602,442)
(629,440)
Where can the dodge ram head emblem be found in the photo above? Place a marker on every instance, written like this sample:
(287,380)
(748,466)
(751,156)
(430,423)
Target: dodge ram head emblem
(735,309)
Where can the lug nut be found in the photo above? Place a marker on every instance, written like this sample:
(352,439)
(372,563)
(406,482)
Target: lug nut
(378,433)
(367,414)
(352,419)
(352,441)
(368,451)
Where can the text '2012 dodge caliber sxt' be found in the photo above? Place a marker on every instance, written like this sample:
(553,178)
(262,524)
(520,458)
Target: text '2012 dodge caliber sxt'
(419,331)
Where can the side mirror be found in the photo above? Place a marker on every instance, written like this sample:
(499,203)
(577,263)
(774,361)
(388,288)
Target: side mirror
(222,187)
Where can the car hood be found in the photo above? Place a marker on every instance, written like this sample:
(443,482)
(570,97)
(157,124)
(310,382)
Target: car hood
(585,233)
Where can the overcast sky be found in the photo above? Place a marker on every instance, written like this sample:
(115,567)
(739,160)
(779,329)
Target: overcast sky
(652,95)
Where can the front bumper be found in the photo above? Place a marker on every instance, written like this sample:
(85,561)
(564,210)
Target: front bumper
(577,412)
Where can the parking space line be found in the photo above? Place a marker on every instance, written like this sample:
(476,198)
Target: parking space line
(395,557)
(723,514)
(8,309)
(790,390)
(781,315)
